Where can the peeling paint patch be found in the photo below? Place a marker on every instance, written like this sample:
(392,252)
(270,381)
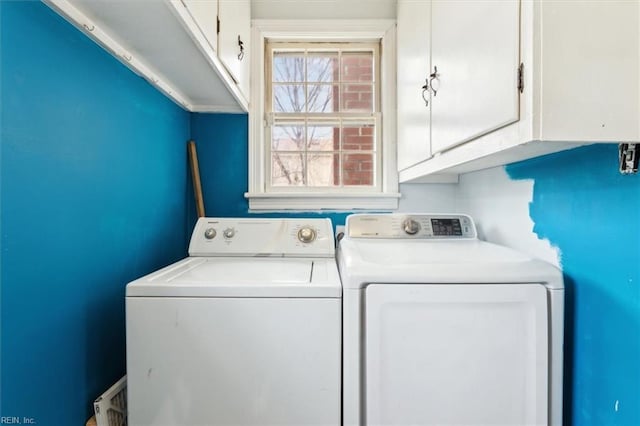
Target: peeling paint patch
(500,207)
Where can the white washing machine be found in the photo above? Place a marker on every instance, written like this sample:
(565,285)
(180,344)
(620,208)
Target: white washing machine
(443,329)
(245,331)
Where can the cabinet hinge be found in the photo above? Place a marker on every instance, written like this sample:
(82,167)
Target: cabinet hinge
(217,25)
(521,78)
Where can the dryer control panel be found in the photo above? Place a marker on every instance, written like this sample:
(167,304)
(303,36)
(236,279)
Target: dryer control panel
(411,226)
(262,237)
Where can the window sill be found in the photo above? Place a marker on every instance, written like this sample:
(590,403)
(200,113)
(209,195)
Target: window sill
(322,201)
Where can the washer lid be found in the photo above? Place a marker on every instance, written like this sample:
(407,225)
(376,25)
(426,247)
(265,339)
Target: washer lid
(241,277)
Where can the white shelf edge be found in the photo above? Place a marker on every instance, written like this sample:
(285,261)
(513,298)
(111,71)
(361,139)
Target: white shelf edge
(123,54)
(131,60)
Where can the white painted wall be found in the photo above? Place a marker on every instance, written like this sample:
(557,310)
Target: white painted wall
(500,207)
(498,204)
(323,9)
(428,198)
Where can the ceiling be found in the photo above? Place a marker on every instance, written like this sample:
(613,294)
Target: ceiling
(323,9)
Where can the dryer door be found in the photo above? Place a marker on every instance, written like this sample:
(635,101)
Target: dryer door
(456,354)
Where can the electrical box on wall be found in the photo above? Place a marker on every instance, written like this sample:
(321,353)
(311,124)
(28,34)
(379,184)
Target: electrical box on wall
(628,154)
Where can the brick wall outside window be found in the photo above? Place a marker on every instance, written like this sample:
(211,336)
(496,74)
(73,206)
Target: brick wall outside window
(357,169)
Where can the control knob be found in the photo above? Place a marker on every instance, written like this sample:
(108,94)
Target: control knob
(229,233)
(410,226)
(210,233)
(307,235)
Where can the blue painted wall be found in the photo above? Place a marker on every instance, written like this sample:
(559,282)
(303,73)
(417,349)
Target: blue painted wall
(592,213)
(93,195)
(221,141)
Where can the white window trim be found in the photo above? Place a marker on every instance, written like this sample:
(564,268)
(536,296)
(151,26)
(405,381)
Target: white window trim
(338,30)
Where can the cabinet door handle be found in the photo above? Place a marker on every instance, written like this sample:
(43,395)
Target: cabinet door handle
(425,90)
(241,46)
(434,76)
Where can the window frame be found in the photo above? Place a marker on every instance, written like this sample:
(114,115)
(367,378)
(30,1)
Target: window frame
(385,195)
(346,119)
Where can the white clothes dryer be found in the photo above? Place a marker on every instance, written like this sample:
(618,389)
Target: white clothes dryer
(440,328)
(245,331)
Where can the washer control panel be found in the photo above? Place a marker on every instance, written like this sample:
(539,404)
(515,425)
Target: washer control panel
(262,237)
(411,226)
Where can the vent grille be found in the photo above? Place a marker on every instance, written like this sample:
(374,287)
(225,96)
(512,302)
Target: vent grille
(111,406)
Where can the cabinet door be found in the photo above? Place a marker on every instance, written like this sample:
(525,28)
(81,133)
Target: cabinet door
(414,44)
(590,87)
(233,40)
(476,50)
(205,15)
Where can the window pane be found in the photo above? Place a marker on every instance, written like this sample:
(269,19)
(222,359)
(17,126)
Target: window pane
(357,169)
(323,138)
(287,169)
(358,138)
(321,169)
(287,138)
(322,67)
(357,67)
(322,98)
(357,98)
(322,130)
(288,67)
(288,98)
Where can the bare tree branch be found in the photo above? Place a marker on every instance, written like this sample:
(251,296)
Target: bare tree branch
(291,97)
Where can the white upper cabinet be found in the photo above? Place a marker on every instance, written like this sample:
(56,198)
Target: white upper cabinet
(414,44)
(233,40)
(205,15)
(174,44)
(580,81)
(589,72)
(475,52)
(457,74)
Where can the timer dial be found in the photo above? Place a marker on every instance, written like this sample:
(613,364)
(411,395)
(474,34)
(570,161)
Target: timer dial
(229,233)
(307,235)
(410,226)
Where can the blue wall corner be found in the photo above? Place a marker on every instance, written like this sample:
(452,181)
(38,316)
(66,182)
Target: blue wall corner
(221,141)
(582,204)
(93,193)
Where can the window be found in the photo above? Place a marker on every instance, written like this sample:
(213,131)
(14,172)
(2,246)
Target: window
(322,116)
(322,104)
